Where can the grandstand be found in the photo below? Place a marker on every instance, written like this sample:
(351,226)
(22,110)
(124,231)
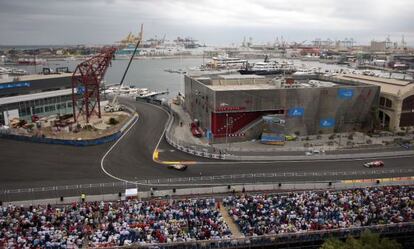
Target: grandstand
(286,219)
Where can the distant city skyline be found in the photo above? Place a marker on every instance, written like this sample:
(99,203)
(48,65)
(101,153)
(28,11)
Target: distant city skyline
(70,22)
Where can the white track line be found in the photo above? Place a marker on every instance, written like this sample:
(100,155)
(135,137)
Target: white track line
(304,161)
(142,184)
(109,151)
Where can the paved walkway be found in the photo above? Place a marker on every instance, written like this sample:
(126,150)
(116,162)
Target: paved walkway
(235,231)
(181,127)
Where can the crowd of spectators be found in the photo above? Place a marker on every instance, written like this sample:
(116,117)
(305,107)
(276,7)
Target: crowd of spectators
(108,224)
(103,224)
(305,211)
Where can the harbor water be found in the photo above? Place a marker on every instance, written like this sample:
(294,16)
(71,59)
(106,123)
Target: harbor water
(145,73)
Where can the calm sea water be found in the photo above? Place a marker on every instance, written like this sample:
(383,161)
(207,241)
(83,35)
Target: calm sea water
(146,73)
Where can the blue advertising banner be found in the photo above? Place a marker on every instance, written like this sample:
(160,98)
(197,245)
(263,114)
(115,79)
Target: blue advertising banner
(15,85)
(344,93)
(296,112)
(327,122)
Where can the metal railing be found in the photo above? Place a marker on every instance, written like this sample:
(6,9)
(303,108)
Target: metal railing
(194,149)
(247,178)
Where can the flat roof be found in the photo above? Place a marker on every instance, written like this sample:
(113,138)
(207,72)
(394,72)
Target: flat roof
(31,77)
(391,86)
(242,87)
(34,96)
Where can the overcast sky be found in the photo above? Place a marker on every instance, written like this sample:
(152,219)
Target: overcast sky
(24,22)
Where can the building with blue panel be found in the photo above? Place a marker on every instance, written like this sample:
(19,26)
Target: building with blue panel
(236,104)
(41,95)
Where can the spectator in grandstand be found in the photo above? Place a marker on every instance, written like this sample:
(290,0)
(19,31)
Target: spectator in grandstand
(296,212)
(110,224)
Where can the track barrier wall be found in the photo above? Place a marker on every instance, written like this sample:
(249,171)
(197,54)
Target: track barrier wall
(114,188)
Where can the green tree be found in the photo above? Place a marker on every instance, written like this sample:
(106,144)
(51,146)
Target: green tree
(368,240)
(333,243)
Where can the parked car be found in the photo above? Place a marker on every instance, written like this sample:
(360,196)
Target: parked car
(374,164)
(180,167)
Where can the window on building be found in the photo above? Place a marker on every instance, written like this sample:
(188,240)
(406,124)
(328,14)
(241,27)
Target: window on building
(50,108)
(61,106)
(408,104)
(382,101)
(38,102)
(38,110)
(385,102)
(69,104)
(24,111)
(388,103)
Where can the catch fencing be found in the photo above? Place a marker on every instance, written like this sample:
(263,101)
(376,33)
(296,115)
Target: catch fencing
(276,181)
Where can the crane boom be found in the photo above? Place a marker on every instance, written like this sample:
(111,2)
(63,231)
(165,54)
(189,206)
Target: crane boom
(121,83)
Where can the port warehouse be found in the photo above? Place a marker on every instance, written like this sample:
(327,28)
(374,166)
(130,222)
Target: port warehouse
(232,105)
(41,95)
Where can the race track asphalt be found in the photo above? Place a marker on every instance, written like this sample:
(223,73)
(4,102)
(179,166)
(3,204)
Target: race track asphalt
(27,165)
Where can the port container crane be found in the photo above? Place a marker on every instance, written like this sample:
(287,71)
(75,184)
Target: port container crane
(114,106)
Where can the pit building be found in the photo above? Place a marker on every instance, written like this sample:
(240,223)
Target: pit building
(233,105)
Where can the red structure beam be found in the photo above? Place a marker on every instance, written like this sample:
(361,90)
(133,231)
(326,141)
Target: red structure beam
(86,82)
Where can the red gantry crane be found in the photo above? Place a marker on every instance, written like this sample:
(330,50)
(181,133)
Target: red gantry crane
(86,83)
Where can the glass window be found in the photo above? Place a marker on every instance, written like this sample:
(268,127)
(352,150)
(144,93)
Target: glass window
(50,108)
(38,110)
(388,103)
(382,101)
(61,106)
(24,111)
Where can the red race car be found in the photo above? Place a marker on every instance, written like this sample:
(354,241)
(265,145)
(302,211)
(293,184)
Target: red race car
(374,164)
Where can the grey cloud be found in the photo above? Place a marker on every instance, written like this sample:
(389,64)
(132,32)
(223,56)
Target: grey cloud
(106,21)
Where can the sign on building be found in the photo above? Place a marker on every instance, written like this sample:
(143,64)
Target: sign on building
(14,85)
(296,112)
(344,93)
(327,122)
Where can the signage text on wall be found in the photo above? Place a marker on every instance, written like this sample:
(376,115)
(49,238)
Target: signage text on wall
(230,108)
(296,112)
(345,93)
(15,85)
(327,122)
